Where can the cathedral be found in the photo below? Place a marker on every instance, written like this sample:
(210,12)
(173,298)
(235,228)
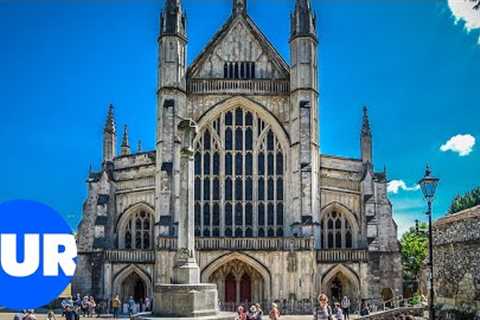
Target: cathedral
(274,218)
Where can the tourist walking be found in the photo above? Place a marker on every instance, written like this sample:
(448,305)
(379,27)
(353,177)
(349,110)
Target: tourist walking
(116,304)
(274,313)
(131,306)
(84,306)
(252,313)
(346,307)
(364,309)
(70,314)
(51,315)
(148,303)
(338,312)
(323,311)
(241,314)
(91,306)
(259,311)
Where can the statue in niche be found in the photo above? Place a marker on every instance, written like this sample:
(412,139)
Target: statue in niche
(292,262)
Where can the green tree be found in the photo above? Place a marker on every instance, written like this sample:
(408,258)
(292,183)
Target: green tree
(466,201)
(414,250)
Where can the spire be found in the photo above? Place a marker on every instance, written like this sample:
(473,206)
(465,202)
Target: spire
(109,136)
(110,122)
(366,131)
(366,139)
(125,145)
(304,20)
(239,7)
(173,20)
(139,146)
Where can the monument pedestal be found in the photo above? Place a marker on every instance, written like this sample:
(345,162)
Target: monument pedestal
(186,300)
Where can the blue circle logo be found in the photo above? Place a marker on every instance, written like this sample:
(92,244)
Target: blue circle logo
(37,254)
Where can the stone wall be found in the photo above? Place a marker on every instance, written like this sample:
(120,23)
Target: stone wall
(457,259)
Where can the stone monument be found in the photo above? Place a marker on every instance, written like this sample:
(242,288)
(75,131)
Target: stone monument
(186,297)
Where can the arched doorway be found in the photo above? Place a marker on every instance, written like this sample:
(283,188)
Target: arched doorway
(238,282)
(340,281)
(134,286)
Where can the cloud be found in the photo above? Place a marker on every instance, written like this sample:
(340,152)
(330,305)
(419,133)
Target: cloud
(467,11)
(395,186)
(461,144)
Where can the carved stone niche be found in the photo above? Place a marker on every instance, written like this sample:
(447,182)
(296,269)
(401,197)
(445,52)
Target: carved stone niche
(188,129)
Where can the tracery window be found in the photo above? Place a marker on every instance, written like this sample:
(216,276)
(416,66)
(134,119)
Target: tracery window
(137,232)
(244,70)
(336,231)
(239,178)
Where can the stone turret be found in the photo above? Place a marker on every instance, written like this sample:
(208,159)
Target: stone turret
(109,137)
(304,95)
(366,139)
(239,7)
(125,147)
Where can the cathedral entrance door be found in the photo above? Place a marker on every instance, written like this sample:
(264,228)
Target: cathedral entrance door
(246,288)
(337,290)
(133,286)
(230,289)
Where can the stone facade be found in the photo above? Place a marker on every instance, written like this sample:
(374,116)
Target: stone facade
(274,218)
(457,260)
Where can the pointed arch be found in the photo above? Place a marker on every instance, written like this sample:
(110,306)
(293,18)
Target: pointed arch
(250,261)
(126,221)
(343,270)
(250,105)
(123,274)
(338,222)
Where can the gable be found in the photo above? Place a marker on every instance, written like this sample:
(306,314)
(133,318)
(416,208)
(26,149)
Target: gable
(239,40)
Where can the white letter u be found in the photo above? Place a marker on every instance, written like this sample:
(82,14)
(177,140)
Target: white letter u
(8,253)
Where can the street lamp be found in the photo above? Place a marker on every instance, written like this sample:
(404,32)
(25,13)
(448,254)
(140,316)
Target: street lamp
(429,184)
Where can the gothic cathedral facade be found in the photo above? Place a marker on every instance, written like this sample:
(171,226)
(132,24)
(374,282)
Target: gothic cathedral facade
(275,219)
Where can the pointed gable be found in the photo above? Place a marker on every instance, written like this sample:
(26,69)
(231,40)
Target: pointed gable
(239,40)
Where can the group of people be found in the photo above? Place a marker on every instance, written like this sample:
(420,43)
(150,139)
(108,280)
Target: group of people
(255,312)
(339,311)
(85,306)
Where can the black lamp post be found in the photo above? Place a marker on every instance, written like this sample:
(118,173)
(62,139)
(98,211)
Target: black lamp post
(429,185)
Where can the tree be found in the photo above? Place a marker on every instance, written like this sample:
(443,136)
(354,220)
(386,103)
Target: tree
(414,250)
(466,201)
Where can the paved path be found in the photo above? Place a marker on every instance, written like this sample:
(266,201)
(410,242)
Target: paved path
(9,316)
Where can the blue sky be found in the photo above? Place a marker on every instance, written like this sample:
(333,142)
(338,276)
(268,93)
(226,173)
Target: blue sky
(63,62)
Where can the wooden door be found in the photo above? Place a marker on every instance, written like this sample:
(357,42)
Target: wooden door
(245,289)
(230,289)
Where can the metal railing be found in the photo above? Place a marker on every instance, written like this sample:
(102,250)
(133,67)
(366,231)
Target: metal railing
(225,86)
(282,244)
(130,256)
(342,255)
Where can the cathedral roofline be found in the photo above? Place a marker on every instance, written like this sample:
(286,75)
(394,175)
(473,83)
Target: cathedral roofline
(262,39)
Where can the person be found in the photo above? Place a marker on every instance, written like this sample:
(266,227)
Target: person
(70,314)
(323,311)
(20,316)
(29,315)
(274,313)
(67,302)
(84,306)
(241,314)
(116,304)
(259,311)
(364,309)
(51,315)
(346,307)
(252,313)
(91,306)
(131,306)
(78,301)
(147,303)
(338,312)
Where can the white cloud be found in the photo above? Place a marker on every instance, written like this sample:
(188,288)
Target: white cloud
(461,144)
(395,186)
(467,11)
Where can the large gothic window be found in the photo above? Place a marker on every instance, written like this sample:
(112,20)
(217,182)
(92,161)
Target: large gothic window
(239,178)
(336,231)
(137,232)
